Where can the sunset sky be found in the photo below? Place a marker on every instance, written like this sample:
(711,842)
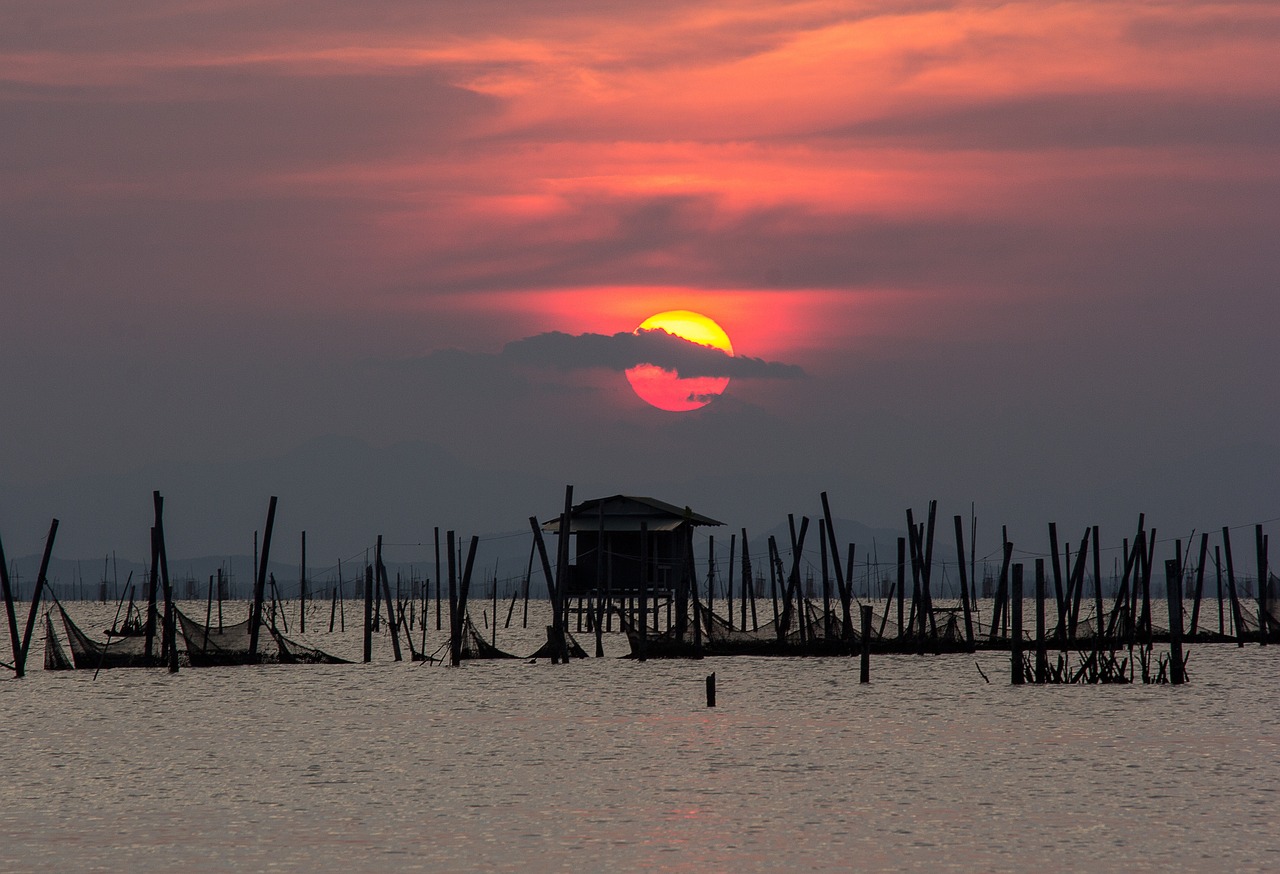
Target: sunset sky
(376,257)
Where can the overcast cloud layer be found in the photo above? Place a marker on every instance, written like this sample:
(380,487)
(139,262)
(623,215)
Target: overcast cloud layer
(1016,254)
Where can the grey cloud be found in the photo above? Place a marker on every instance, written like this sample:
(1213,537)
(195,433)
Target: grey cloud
(625,350)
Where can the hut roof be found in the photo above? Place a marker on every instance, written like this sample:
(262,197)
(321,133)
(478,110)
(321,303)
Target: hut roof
(625,513)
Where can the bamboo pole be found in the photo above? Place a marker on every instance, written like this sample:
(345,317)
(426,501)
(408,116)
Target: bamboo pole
(386,596)
(1195,605)
(260,581)
(1016,674)
(964,584)
(15,641)
(21,664)
(368,613)
(843,583)
(1173,592)
(1042,654)
(170,645)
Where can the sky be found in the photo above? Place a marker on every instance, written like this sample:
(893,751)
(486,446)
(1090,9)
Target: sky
(383,260)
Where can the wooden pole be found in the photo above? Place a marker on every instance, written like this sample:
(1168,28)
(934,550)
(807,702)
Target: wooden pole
(733,543)
(599,581)
(1264,619)
(902,584)
(260,582)
(1001,613)
(1100,627)
(302,588)
(562,571)
(1173,590)
(170,639)
(964,584)
(1195,605)
(826,583)
(464,585)
(528,578)
(711,690)
(540,545)
(438,598)
(152,582)
(368,613)
(15,641)
(1060,631)
(21,664)
(843,583)
(1042,654)
(386,597)
(865,674)
(644,589)
(455,624)
(1016,675)
(1237,615)
(1217,572)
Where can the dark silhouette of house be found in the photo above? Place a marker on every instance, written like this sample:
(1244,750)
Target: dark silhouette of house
(634,532)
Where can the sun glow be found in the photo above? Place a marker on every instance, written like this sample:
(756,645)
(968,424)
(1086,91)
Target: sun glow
(667,390)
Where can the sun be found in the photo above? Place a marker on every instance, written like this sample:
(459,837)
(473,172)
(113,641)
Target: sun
(665,389)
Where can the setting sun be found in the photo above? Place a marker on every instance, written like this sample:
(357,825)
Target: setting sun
(667,390)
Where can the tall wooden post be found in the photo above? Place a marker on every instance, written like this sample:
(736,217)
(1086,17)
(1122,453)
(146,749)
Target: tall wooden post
(1060,630)
(1237,614)
(733,546)
(15,641)
(1016,675)
(902,583)
(1042,654)
(1173,588)
(392,625)
(964,584)
(599,583)
(302,588)
(1264,618)
(1195,604)
(1099,631)
(260,582)
(153,581)
(865,674)
(455,624)
(169,649)
(844,583)
(368,613)
(21,664)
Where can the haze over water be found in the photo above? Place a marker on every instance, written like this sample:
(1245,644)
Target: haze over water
(608,764)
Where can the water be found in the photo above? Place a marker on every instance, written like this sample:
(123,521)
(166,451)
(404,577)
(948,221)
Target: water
(615,765)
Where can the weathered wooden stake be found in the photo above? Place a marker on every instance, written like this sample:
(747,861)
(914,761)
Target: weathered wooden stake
(1016,675)
(14,640)
(1042,654)
(1173,588)
(865,674)
(964,584)
(711,690)
(21,664)
(368,613)
(260,582)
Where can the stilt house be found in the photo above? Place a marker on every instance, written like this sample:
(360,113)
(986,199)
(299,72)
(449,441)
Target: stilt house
(634,532)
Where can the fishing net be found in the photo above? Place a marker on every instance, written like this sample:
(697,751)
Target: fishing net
(89,654)
(294,653)
(210,646)
(476,647)
(55,657)
(547,650)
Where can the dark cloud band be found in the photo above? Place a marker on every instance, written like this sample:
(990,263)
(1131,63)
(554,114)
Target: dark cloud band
(625,350)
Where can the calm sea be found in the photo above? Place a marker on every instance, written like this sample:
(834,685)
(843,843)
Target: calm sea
(612,765)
